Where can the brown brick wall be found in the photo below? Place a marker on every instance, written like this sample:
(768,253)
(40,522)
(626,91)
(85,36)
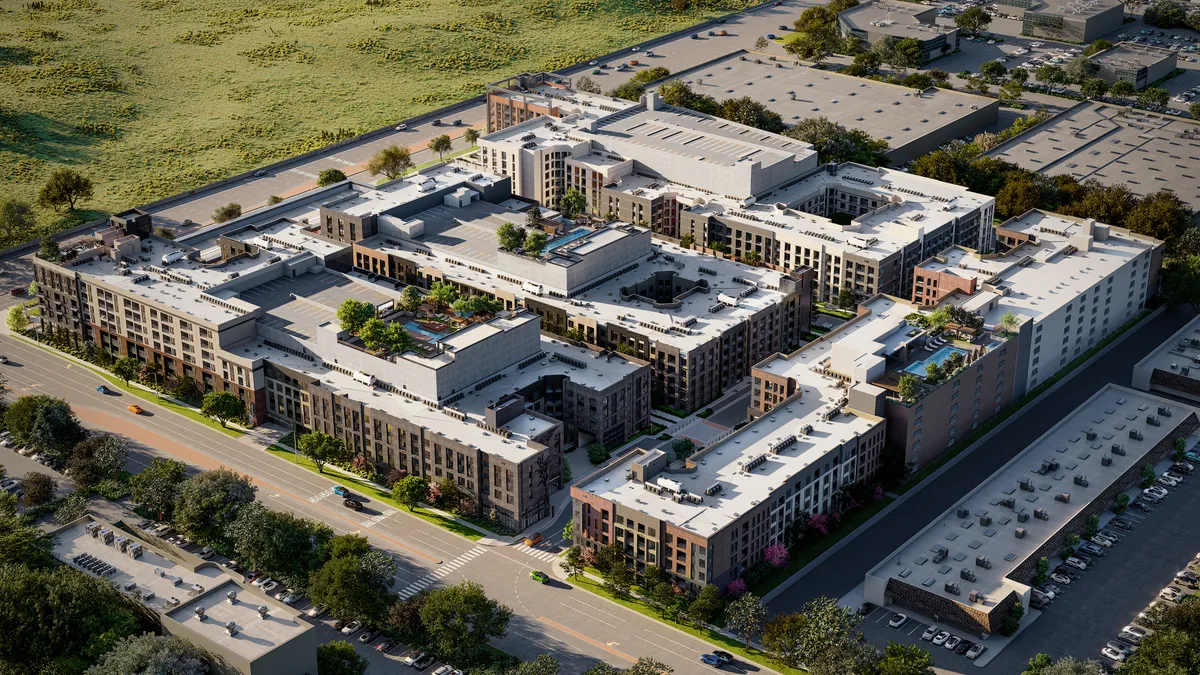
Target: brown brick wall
(930,603)
(1163,379)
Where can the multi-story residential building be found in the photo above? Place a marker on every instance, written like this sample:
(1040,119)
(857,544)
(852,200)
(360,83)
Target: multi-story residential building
(250,306)
(1137,64)
(1066,282)
(971,564)
(708,519)
(870,354)
(882,20)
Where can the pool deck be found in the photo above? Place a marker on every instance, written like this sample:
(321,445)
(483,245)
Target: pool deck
(939,355)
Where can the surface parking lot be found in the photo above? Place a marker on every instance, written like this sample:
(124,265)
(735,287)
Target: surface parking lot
(877,630)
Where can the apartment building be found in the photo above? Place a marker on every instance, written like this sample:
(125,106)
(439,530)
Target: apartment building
(884,19)
(708,519)
(869,355)
(1066,282)
(1028,510)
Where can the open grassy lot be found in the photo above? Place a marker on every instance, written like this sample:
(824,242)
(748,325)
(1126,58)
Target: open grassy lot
(152,97)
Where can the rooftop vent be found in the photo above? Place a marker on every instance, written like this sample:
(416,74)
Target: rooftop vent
(231,628)
(1117,449)
(1152,421)
(1106,461)
(940,554)
(983,561)
(1091,435)
(963,512)
(1041,514)
(199,612)
(1164,411)
(1081,480)
(1135,434)
(967,574)
(1019,532)
(1026,485)
(985,520)
(952,588)
(1064,497)
(232,595)
(262,611)
(1022,517)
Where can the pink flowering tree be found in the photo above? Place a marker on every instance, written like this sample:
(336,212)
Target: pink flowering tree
(588,556)
(435,493)
(877,491)
(777,555)
(819,523)
(737,588)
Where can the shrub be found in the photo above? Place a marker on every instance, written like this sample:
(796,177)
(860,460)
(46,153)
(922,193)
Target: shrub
(227,212)
(597,453)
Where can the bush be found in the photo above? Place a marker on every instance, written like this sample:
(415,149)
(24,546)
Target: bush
(227,212)
(597,453)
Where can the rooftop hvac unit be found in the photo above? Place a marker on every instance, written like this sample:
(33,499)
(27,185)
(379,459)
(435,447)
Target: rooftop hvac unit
(695,499)
(985,520)
(806,429)
(1135,434)
(1081,480)
(1164,411)
(1026,485)
(1008,502)
(983,561)
(952,588)
(1152,420)
(1091,435)
(940,554)
(670,485)
(1019,532)
(963,512)
(713,489)
(1106,461)
(1022,517)
(977,596)
(1118,449)
(1064,497)
(966,573)
(93,529)
(753,463)
(1041,514)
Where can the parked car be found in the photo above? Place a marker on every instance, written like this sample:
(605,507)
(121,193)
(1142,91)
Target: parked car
(723,656)
(963,647)
(1167,480)
(975,650)
(1092,549)
(253,575)
(1121,523)
(898,621)
(418,660)
(1119,646)
(1172,593)
(1183,468)
(1103,541)
(315,611)
(1173,476)
(270,586)
(291,597)
(206,553)
(366,636)
(385,645)
(1142,505)
(1153,491)
(1147,613)
(232,566)
(1060,578)
(1076,563)
(351,628)
(940,638)
(1113,654)
(1045,592)
(1192,456)
(929,633)
(1187,577)
(261,581)
(952,642)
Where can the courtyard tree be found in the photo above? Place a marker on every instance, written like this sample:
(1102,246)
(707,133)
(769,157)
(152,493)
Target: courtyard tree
(320,448)
(373,333)
(572,203)
(410,298)
(222,406)
(441,145)
(443,294)
(535,242)
(392,161)
(908,386)
(329,177)
(683,448)
(510,236)
(352,314)
(64,187)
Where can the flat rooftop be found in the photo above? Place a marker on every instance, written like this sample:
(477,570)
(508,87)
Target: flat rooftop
(1132,55)
(1039,278)
(1077,9)
(179,588)
(1144,151)
(912,205)
(901,19)
(1179,355)
(721,463)
(1049,466)
(714,312)
(799,92)
(465,431)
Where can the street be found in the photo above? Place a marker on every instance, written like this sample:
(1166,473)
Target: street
(573,625)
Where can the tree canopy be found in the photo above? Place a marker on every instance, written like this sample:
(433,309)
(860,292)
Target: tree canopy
(157,486)
(353,314)
(150,654)
(392,161)
(278,543)
(321,448)
(208,503)
(460,620)
(222,406)
(835,143)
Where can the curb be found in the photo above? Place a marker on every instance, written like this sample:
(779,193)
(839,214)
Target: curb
(775,592)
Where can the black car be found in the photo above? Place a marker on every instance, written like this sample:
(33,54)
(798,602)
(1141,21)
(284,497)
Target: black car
(1142,506)
(386,645)
(352,504)
(458,123)
(963,647)
(1182,468)
(437,123)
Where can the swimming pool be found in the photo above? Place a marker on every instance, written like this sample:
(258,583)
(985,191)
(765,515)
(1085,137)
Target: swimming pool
(938,357)
(569,237)
(428,335)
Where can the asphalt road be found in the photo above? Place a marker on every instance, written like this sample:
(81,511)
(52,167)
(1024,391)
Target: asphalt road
(675,54)
(574,625)
(844,570)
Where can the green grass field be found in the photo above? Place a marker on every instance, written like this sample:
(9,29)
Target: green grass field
(152,97)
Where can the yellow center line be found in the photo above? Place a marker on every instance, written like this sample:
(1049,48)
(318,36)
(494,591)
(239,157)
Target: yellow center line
(595,643)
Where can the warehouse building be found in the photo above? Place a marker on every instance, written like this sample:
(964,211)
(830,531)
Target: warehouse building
(1078,21)
(1174,367)
(1137,64)
(887,19)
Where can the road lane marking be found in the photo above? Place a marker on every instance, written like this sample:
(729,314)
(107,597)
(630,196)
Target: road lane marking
(580,636)
(375,520)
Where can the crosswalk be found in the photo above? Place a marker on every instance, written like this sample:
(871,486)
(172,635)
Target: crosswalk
(431,578)
(544,556)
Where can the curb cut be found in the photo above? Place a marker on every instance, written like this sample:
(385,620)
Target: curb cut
(775,592)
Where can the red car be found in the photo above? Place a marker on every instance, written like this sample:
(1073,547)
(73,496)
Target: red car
(19,290)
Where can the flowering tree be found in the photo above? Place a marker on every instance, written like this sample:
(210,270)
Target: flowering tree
(737,588)
(588,557)
(877,491)
(819,523)
(777,555)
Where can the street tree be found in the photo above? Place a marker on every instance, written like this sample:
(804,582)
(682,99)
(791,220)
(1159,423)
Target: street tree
(150,654)
(352,314)
(706,604)
(330,177)
(278,543)
(1079,70)
(348,591)
(471,136)
(16,319)
(993,70)
(1094,87)
(208,503)
(544,664)
(340,658)
(746,617)
(39,488)
(1194,109)
(460,620)
(1011,91)
(222,406)
(649,666)
(59,620)
(1181,281)
(411,491)
(683,448)
(572,562)
(228,212)
(781,637)
(321,448)
(46,423)
(1161,215)
(1153,96)
(127,368)
(1122,88)
(441,145)
(973,20)
(761,44)
(96,459)
(157,486)
(392,161)
(64,187)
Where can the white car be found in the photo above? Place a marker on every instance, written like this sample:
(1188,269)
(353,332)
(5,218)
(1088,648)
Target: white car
(261,581)
(1172,475)
(975,650)
(929,633)
(1167,480)
(1156,492)
(351,628)
(1140,632)
(898,621)
(1170,593)
(1113,654)
(1145,614)
(940,638)
(401,127)
(1060,578)
(1076,563)
(1103,541)
(315,611)
(953,642)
